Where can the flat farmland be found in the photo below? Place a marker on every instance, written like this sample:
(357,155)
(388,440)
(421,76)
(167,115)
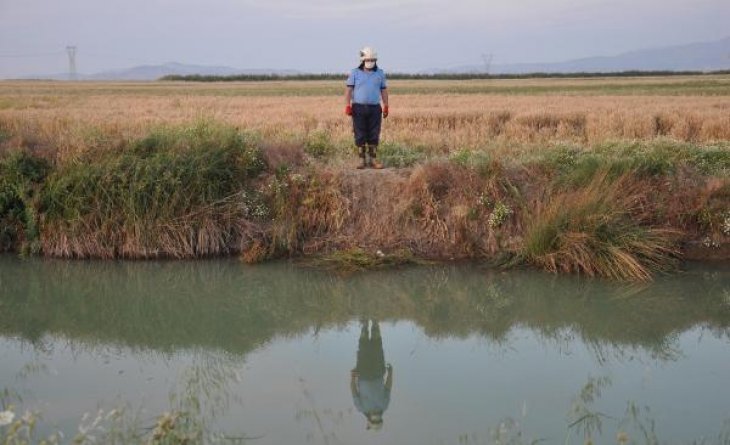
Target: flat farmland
(616,177)
(430,114)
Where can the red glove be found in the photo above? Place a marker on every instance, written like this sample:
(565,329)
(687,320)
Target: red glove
(385,111)
(348,110)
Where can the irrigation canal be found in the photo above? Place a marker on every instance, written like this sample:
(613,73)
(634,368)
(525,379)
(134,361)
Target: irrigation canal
(267,352)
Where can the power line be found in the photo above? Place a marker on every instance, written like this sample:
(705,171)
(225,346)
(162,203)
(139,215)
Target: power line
(11,56)
(95,54)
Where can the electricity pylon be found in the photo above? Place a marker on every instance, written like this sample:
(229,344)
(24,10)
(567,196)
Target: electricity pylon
(71,51)
(487,58)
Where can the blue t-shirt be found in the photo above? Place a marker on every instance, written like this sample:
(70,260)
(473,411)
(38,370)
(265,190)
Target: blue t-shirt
(372,396)
(367,85)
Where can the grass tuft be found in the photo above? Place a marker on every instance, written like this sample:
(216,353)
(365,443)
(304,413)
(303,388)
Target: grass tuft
(21,175)
(599,230)
(319,144)
(478,160)
(399,156)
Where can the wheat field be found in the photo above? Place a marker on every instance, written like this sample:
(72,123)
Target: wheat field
(439,115)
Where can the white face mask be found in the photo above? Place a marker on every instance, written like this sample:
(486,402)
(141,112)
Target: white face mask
(369,65)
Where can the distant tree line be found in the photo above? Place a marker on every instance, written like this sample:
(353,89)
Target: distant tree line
(440,76)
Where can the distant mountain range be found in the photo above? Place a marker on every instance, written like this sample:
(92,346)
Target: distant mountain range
(704,56)
(154,72)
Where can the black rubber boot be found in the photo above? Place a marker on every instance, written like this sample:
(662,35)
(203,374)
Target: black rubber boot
(363,155)
(373,162)
(368,158)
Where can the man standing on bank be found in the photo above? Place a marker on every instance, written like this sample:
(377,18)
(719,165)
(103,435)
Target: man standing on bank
(366,87)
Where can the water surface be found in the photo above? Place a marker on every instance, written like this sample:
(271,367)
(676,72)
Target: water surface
(267,352)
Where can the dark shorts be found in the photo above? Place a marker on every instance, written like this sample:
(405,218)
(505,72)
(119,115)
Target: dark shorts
(370,358)
(366,120)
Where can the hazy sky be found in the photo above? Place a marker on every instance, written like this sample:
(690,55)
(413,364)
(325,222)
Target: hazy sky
(324,35)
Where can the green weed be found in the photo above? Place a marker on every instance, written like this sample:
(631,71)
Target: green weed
(175,191)
(479,160)
(714,160)
(4,135)
(358,259)
(499,215)
(399,156)
(21,176)
(319,144)
(561,158)
(575,166)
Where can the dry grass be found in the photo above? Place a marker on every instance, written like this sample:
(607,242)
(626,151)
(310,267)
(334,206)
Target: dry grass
(436,211)
(72,117)
(476,171)
(602,229)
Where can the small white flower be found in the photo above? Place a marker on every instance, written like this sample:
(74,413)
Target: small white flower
(6,417)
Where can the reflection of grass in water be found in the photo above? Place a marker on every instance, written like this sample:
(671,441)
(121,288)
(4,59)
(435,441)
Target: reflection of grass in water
(319,417)
(726,297)
(226,306)
(583,419)
(639,422)
(202,395)
(635,426)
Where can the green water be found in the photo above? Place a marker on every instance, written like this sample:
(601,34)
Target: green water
(265,353)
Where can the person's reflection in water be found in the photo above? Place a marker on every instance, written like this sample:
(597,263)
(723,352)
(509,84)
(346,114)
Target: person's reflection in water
(370,390)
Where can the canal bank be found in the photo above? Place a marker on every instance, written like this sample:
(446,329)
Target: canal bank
(624,210)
